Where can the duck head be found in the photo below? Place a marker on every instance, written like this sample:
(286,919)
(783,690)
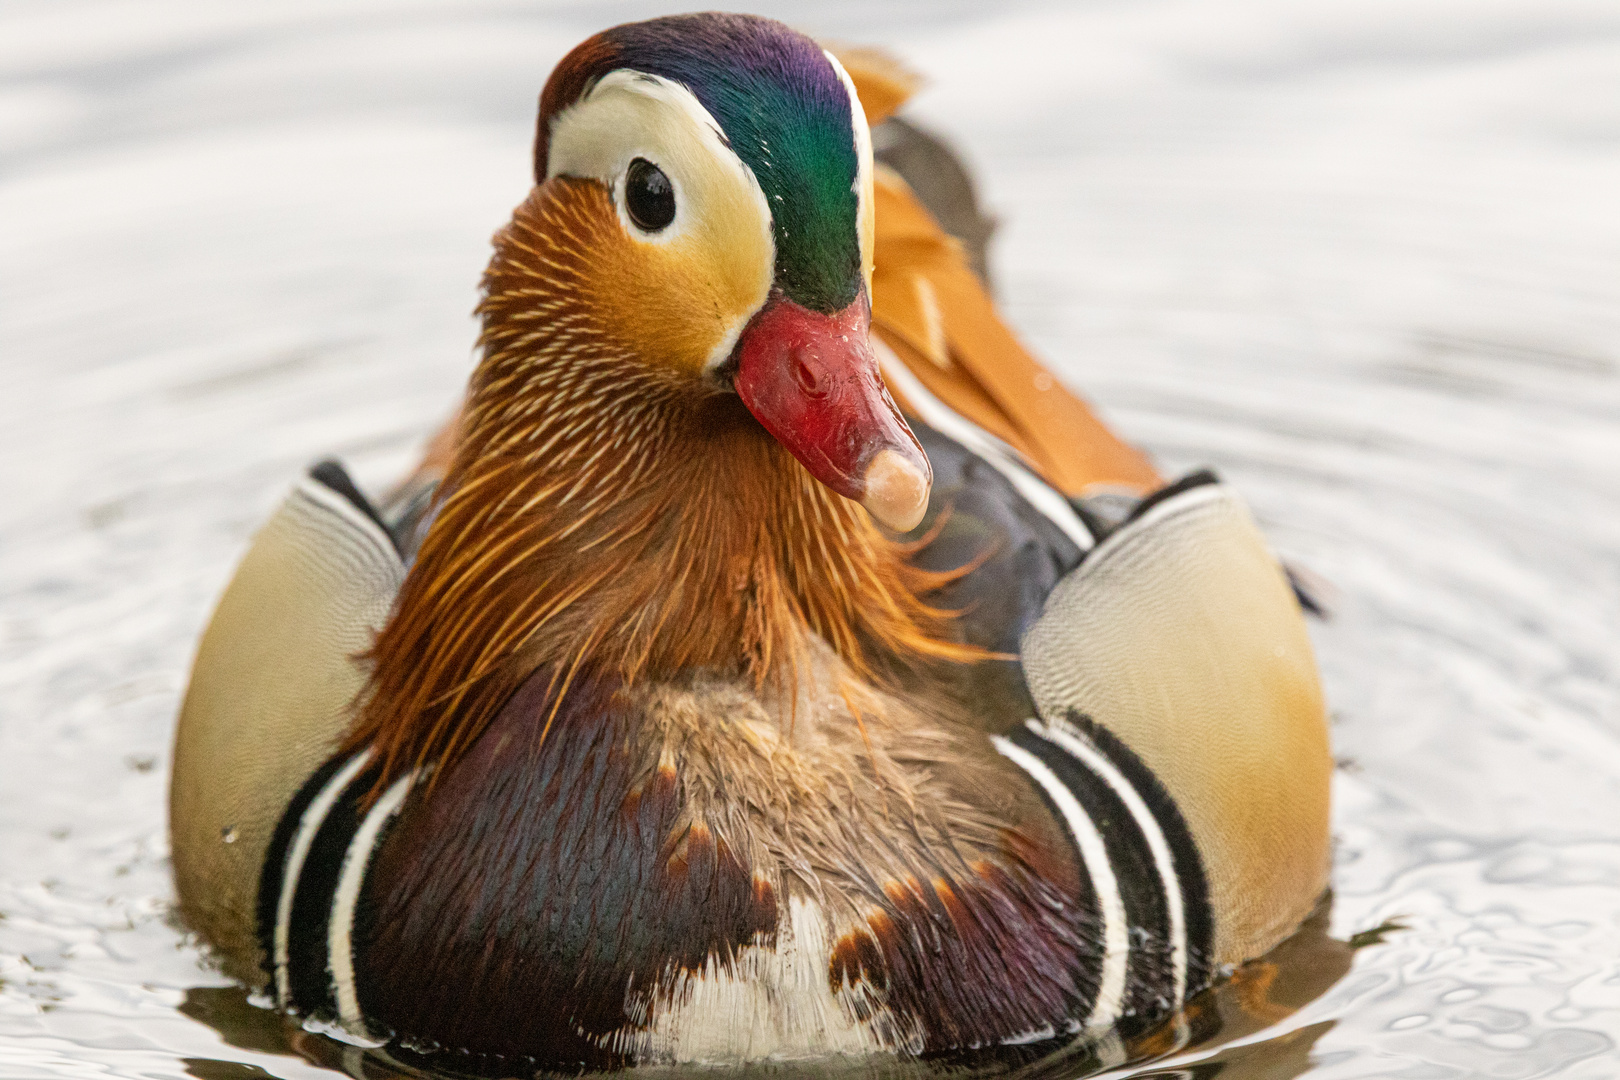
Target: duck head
(728,176)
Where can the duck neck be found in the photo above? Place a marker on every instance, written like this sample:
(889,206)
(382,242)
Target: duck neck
(606,520)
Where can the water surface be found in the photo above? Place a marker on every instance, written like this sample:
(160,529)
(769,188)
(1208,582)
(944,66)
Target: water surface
(1364,259)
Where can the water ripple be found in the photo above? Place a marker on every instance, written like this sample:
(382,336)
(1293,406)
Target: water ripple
(1360,258)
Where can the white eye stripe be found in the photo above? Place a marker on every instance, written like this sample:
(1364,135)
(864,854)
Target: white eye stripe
(629,114)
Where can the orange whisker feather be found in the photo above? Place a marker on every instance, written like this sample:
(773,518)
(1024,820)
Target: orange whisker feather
(610,519)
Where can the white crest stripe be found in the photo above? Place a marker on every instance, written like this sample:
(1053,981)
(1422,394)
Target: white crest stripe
(1094,852)
(1163,860)
(340,928)
(308,825)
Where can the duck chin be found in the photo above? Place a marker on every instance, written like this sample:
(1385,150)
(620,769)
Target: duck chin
(812,381)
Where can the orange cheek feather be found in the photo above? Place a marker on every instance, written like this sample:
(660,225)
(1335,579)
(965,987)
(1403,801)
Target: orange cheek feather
(673,301)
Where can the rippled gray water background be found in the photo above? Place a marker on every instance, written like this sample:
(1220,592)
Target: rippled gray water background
(1364,258)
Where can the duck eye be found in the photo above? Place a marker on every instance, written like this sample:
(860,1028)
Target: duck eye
(648,195)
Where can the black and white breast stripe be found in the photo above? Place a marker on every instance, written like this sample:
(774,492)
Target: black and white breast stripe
(313,873)
(1147,882)
(1143,874)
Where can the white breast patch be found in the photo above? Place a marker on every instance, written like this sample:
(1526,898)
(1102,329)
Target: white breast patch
(769,1004)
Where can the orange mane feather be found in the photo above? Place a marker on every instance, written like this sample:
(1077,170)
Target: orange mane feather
(612,516)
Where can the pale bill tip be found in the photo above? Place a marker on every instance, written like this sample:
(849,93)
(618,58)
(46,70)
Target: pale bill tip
(896,490)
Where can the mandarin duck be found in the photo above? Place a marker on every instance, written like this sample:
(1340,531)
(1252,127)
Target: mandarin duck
(771,660)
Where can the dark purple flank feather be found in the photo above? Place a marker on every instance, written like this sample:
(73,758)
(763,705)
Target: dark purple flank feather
(510,914)
(784,110)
